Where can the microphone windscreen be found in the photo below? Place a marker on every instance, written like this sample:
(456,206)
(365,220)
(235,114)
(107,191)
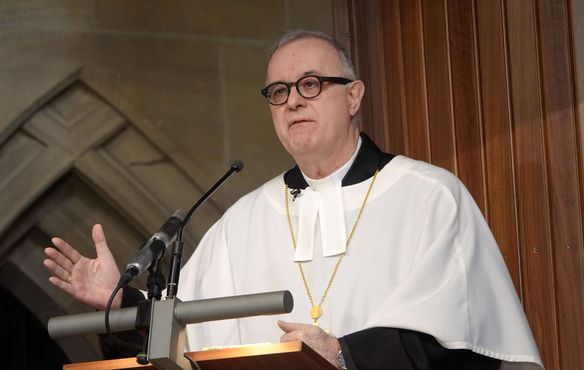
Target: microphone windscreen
(238,165)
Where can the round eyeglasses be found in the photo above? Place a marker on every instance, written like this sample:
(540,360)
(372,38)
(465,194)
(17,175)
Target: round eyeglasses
(308,87)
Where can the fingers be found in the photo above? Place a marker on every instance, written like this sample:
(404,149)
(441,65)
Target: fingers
(68,251)
(100,242)
(297,332)
(293,336)
(289,326)
(61,284)
(290,331)
(58,271)
(324,344)
(60,259)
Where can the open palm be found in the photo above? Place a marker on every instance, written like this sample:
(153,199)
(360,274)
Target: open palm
(90,281)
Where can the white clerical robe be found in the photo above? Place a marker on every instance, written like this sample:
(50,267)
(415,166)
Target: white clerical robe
(422,258)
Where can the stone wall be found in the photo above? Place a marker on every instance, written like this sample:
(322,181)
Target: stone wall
(119,112)
(194,68)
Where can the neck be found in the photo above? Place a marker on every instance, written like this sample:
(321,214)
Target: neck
(322,164)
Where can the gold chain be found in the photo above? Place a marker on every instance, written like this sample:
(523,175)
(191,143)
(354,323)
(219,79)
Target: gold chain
(316,310)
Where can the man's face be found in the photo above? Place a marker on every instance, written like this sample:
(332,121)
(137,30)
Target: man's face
(314,126)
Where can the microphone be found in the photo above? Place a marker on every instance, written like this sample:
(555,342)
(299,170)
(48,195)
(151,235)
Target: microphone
(176,259)
(154,247)
(237,166)
(295,193)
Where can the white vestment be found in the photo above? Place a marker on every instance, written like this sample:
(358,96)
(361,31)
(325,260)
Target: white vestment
(422,258)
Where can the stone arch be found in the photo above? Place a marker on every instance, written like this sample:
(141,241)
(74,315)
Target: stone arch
(75,160)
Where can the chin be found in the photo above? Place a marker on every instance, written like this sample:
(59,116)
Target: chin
(301,149)
(301,140)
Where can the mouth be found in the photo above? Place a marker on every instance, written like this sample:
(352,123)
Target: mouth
(299,121)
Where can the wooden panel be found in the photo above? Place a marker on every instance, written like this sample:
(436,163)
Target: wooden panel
(438,84)
(466,103)
(360,57)
(341,23)
(577,25)
(561,132)
(371,70)
(417,139)
(284,356)
(514,101)
(501,201)
(531,177)
(394,79)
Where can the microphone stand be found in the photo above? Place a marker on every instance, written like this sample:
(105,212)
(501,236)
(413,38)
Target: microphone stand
(166,337)
(177,248)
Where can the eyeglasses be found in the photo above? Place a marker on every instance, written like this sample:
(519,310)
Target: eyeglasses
(308,87)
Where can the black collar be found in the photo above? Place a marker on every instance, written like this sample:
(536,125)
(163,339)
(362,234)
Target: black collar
(369,159)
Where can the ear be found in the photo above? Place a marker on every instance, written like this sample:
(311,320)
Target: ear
(355,95)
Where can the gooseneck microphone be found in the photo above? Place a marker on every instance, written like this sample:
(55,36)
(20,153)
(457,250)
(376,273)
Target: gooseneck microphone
(236,166)
(170,233)
(176,261)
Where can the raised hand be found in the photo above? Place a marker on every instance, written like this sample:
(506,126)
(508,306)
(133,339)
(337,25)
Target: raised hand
(90,281)
(324,344)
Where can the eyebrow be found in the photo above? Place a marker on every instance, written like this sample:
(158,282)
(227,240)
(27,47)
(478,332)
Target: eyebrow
(307,73)
(310,72)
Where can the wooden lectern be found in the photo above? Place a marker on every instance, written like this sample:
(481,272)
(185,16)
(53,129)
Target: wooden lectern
(279,356)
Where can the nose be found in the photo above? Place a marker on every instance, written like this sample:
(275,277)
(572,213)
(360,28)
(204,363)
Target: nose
(295,100)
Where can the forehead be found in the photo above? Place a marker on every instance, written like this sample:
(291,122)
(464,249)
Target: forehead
(301,57)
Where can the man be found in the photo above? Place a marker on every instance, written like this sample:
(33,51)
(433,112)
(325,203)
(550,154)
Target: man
(390,257)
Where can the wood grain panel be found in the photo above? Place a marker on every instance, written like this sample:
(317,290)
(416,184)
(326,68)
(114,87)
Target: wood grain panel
(417,136)
(531,177)
(438,85)
(370,65)
(466,103)
(360,54)
(560,136)
(515,116)
(284,356)
(394,78)
(341,23)
(498,149)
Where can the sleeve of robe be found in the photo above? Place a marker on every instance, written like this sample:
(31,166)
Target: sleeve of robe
(130,298)
(401,349)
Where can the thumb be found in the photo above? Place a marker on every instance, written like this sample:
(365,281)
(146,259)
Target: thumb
(99,240)
(288,326)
